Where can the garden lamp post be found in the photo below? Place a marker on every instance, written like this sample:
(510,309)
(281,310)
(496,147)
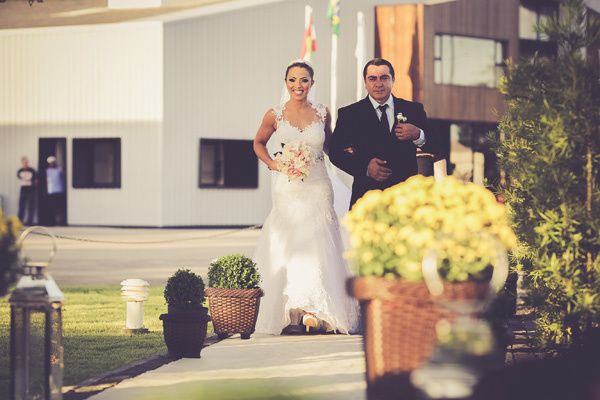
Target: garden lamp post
(36,349)
(134,292)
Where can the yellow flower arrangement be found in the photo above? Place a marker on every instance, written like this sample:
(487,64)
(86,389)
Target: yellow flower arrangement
(10,228)
(391,230)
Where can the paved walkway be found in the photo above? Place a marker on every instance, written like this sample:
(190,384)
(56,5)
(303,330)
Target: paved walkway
(263,367)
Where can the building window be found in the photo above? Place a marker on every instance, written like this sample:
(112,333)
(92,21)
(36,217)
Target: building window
(97,163)
(532,13)
(468,61)
(472,158)
(228,164)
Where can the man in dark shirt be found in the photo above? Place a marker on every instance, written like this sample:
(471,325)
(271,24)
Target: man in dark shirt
(27,179)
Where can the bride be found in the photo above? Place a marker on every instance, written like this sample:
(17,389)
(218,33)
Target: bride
(299,252)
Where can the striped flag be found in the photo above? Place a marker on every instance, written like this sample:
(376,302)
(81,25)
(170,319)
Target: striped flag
(333,13)
(310,35)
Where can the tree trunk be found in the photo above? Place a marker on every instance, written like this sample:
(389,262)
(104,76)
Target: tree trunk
(588,200)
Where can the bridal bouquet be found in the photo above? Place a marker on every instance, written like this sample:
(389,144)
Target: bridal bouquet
(295,159)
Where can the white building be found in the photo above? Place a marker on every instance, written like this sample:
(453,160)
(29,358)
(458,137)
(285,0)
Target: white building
(151,112)
(127,107)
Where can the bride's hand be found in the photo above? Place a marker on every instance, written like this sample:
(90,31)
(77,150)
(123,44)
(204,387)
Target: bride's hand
(274,166)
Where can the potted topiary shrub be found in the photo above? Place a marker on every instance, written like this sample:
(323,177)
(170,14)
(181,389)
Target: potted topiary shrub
(9,251)
(392,232)
(233,295)
(185,324)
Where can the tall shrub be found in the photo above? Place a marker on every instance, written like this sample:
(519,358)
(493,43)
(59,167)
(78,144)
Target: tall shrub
(9,251)
(549,151)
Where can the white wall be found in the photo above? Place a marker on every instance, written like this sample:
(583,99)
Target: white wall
(223,71)
(91,73)
(92,81)
(136,203)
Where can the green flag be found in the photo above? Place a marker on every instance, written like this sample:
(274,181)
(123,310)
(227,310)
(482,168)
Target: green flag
(333,13)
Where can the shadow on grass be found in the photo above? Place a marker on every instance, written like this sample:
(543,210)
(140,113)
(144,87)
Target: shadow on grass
(93,319)
(89,356)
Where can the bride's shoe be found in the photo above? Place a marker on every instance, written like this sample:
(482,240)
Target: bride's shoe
(310,321)
(328,328)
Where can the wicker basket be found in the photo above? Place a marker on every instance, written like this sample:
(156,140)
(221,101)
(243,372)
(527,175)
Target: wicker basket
(234,310)
(399,320)
(184,332)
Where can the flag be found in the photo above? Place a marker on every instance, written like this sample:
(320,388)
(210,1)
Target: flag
(333,13)
(310,35)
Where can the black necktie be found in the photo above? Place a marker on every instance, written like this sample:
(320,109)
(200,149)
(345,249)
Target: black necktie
(384,120)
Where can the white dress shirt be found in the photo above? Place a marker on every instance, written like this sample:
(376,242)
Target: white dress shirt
(390,116)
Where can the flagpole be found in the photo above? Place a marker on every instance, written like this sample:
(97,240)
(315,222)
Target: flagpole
(333,13)
(360,53)
(333,98)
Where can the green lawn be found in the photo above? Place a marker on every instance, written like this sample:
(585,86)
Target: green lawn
(93,318)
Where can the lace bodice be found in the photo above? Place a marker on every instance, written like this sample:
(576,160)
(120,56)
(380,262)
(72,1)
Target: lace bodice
(313,134)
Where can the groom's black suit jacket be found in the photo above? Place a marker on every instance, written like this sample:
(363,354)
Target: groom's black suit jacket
(358,128)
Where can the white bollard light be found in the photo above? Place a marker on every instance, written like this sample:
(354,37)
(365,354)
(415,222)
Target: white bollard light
(134,292)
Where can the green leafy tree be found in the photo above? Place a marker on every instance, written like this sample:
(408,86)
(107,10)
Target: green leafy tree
(549,152)
(9,251)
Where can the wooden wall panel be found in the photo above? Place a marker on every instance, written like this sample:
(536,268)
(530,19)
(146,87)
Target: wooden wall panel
(405,36)
(399,37)
(493,19)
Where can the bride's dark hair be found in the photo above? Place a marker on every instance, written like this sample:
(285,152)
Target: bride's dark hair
(300,64)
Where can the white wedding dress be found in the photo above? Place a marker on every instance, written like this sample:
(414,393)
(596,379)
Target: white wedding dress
(299,252)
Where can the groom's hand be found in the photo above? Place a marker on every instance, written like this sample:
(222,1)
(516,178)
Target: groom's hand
(407,132)
(378,170)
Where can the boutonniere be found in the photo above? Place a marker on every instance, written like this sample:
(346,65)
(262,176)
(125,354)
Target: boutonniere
(400,118)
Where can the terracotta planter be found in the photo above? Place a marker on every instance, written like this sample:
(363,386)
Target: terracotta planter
(234,310)
(399,321)
(184,332)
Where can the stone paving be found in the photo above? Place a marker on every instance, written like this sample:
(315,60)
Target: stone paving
(265,366)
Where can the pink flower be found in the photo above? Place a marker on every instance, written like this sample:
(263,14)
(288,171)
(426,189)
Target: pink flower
(297,159)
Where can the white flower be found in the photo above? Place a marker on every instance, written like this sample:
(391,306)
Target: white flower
(400,118)
(296,160)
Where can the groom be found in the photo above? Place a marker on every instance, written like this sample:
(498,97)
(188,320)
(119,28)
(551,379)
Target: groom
(369,142)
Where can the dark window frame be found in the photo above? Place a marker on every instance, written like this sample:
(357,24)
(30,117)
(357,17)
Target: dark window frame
(541,9)
(223,172)
(439,57)
(83,180)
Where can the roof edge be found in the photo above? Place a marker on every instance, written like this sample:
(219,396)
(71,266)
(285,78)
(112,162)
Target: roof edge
(210,9)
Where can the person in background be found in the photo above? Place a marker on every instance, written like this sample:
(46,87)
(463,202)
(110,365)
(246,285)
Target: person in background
(27,180)
(56,191)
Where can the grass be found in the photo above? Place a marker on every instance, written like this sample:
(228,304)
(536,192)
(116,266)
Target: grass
(93,319)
